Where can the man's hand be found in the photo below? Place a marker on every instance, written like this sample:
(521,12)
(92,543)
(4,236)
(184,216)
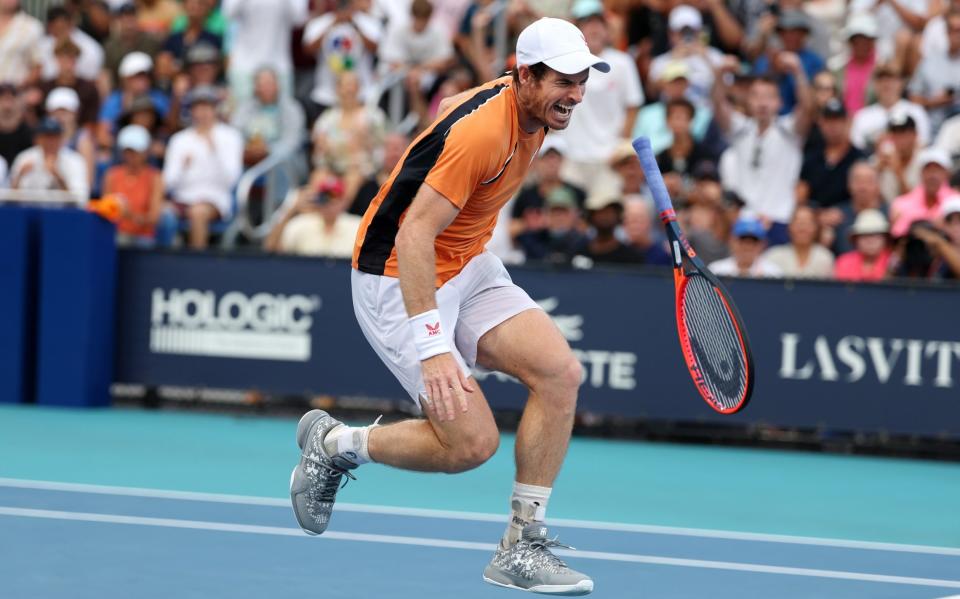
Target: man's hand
(790,63)
(934,241)
(445,383)
(729,64)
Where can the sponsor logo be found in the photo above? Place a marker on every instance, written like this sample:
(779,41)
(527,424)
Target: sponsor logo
(908,362)
(261,326)
(433,331)
(601,368)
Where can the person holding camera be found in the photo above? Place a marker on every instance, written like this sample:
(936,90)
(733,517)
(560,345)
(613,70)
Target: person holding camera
(317,224)
(686,46)
(946,247)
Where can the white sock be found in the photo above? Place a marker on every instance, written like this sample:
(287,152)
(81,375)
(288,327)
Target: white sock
(527,504)
(350,441)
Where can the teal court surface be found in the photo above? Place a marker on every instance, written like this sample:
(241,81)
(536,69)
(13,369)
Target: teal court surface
(127,503)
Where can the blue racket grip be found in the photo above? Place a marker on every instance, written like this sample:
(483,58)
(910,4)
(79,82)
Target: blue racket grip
(648,161)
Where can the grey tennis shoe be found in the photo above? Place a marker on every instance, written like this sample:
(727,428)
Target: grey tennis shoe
(530,566)
(316,479)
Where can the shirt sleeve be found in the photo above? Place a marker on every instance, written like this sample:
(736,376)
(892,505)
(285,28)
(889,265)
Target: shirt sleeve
(391,50)
(316,28)
(74,171)
(173,162)
(632,90)
(299,12)
(467,159)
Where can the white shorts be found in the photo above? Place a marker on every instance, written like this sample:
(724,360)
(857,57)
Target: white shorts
(479,298)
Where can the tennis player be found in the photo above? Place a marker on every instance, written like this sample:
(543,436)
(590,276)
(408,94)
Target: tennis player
(433,303)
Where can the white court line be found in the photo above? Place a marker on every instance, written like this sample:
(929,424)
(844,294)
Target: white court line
(479,517)
(487,547)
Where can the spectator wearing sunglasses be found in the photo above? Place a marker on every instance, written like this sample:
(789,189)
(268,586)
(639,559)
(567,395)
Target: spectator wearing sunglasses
(762,164)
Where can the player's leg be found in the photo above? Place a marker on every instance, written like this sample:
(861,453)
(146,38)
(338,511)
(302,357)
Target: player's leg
(330,449)
(530,347)
(433,445)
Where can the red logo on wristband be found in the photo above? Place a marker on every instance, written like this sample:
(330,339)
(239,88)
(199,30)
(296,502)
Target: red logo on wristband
(433,331)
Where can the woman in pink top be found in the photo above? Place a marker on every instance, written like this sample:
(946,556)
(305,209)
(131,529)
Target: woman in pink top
(870,259)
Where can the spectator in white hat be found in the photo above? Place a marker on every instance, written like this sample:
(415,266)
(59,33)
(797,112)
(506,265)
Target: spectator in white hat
(63,104)
(686,46)
(926,200)
(48,165)
(871,121)
(870,258)
(896,157)
(202,165)
(854,75)
(139,186)
(610,105)
(135,80)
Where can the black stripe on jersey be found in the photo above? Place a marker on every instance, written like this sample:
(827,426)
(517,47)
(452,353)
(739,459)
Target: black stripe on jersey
(381,234)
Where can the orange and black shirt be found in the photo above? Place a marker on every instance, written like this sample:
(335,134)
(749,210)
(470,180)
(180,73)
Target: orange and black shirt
(476,156)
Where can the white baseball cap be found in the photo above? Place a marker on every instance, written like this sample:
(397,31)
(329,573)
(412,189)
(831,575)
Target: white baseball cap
(555,143)
(559,45)
(861,23)
(134,137)
(934,155)
(63,98)
(951,206)
(684,15)
(134,64)
(870,222)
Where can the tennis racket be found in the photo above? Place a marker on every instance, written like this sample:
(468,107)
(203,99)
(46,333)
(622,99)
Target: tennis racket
(712,336)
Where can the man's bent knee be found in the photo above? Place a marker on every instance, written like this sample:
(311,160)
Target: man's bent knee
(472,450)
(560,386)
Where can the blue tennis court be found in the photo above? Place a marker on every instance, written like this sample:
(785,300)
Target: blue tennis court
(129,503)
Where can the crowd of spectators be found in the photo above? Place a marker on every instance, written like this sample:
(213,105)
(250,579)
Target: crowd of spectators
(798,138)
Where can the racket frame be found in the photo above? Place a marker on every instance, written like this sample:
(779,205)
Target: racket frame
(684,254)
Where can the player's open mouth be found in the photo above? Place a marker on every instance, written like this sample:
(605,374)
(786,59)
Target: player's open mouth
(562,110)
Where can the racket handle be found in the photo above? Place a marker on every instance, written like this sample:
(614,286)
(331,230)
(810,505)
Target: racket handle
(658,190)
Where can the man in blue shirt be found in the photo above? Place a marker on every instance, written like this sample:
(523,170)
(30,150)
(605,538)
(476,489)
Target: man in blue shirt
(793,29)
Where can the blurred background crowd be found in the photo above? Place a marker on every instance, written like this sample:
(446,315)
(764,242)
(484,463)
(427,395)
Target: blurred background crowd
(798,138)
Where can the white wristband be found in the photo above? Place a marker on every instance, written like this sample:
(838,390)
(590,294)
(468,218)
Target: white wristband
(428,336)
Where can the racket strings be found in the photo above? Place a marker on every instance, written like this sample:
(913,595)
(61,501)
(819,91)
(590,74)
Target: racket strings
(714,342)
